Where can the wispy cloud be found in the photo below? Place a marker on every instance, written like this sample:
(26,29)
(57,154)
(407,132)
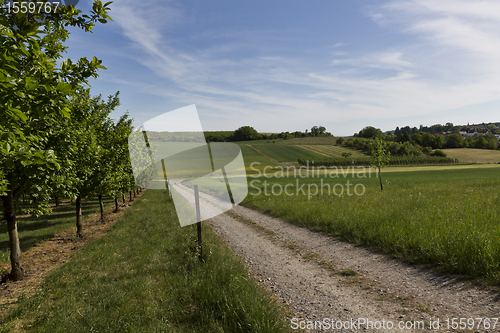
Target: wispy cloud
(448,61)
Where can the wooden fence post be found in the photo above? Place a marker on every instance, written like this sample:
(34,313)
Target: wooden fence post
(198,219)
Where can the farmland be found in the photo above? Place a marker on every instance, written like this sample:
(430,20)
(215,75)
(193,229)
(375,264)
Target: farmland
(333,151)
(474,155)
(284,153)
(320,140)
(250,155)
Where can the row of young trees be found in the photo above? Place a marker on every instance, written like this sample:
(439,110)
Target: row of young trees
(55,138)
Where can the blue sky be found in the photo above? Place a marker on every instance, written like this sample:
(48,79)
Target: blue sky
(287,65)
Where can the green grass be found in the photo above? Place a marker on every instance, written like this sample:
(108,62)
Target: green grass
(145,276)
(474,155)
(284,153)
(259,142)
(334,151)
(449,219)
(250,155)
(35,230)
(320,140)
(367,161)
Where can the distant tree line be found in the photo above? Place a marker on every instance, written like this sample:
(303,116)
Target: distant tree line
(420,143)
(493,128)
(248,133)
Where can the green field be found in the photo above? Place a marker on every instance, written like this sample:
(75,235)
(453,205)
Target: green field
(145,276)
(284,153)
(474,155)
(250,155)
(446,218)
(333,151)
(319,140)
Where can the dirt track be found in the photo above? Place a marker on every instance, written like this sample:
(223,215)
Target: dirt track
(315,276)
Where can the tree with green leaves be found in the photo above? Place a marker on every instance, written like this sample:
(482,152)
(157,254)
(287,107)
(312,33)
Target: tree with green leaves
(369,132)
(246,133)
(114,161)
(380,157)
(33,99)
(92,150)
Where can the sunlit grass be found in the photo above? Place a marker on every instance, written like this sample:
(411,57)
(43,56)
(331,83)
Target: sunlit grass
(474,155)
(448,218)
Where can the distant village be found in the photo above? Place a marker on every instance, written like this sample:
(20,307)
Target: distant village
(464,130)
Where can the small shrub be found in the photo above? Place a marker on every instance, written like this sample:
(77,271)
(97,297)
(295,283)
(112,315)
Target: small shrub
(346,155)
(438,152)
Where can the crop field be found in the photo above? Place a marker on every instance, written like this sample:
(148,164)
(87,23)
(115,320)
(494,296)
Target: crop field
(474,155)
(333,151)
(287,153)
(319,140)
(445,218)
(250,155)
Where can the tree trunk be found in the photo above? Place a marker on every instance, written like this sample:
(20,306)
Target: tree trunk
(57,200)
(101,206)
(17,272)
(79,225)
(123,198)
(135,194)
(116,205)
(130,195)
(380,177)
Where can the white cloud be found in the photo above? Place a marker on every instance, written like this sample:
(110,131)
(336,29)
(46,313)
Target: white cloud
(448,61)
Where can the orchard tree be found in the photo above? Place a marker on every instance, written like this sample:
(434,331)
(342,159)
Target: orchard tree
(112,166)
(91,152)
(380,157)
(33,99)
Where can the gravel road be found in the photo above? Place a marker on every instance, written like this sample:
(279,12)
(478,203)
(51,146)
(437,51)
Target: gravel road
(318,277)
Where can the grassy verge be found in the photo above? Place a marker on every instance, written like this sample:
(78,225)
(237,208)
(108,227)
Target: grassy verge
(144,276)
(447,218)
(36,230)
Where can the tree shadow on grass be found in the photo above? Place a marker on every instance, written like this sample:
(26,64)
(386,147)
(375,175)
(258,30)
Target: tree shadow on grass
(35,225)
(29,242)
(35,230)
